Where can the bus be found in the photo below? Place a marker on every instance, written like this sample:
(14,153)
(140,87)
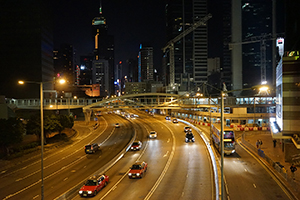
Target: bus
(229,139)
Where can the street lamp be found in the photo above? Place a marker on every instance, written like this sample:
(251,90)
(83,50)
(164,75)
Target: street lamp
(223,93)
(61,81)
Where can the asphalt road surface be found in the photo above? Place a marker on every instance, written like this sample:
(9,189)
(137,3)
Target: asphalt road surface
(246,178)
(66,166)
(176,170)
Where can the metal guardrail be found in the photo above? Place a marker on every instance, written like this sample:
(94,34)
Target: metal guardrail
(212,156)
(276,165)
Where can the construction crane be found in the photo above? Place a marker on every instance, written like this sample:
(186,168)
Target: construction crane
(262,39)
(170,44)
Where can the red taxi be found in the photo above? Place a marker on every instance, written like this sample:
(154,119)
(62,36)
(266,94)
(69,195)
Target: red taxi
(136,145)
(138,169)
(93,185)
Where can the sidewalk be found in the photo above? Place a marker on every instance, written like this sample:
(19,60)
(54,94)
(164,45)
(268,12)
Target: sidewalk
(271,155)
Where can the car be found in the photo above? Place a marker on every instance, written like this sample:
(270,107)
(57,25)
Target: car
(168,118)
(152,134)
(117,125)
(136,145)
(187,128)
(138,169)
(93,185)
(189,137)
(91,148)
(175,121)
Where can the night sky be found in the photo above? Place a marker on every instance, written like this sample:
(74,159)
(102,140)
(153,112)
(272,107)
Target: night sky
(132,22)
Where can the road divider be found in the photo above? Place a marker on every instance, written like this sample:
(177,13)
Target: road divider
(213,159)
(71,193)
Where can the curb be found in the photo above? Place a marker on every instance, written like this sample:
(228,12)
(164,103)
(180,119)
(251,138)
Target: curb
(270,168)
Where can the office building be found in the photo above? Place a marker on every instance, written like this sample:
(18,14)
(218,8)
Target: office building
(257,55)
(190,52)
(64,63)
(145,64)
(86,67)
(132,68)
(104,50)
(286,125)
(26,47)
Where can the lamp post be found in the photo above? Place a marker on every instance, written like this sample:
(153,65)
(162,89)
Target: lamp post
(42,128)
(222,145)
(261,88)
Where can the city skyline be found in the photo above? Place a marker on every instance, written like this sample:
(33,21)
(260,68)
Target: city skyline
(129,28)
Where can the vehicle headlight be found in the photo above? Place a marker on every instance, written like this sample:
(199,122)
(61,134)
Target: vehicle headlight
(129,174)
(89,192)
(137,174)
(80,192)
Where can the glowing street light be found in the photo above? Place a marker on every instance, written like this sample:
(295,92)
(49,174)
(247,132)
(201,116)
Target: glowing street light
(223,93)
(42,127)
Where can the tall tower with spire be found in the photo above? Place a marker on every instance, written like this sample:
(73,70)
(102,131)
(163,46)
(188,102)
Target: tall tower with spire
(103,53)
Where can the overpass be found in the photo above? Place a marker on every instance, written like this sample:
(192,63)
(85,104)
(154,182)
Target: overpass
(161,101)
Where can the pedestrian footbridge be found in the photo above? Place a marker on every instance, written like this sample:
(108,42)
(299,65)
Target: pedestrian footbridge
(161,101)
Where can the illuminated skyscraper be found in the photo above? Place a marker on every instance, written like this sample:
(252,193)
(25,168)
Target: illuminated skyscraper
(191,51)
(145,64)
(104,50)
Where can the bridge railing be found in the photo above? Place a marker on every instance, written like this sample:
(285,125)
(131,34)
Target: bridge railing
(151,102)
(48,102)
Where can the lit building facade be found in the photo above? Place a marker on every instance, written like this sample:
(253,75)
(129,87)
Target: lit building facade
(86,67)
(191,51)
(64,66)
(145,64)
(256,21)
(104,50)
(101,76)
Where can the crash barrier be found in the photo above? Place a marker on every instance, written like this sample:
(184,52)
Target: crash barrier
(235,127)
(71,193)
(213,159)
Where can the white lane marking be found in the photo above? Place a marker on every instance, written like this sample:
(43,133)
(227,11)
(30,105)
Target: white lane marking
(3,172)
(33,184)
(163,173)
(54,154)
(267,170)
(66,179)
(115,186)
(254,185)
(168,140)
(35,196)
(166,154)
(246,170)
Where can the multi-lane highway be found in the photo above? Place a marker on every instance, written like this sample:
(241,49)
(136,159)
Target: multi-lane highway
(176,169)
(67,166)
